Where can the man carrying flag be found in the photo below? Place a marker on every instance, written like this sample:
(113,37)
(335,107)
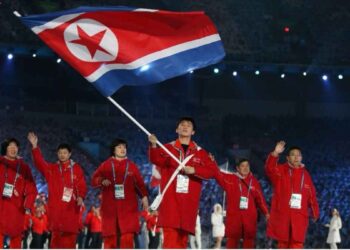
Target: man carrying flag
(178,210)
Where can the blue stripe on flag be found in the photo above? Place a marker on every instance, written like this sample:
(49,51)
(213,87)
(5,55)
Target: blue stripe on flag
(161,69)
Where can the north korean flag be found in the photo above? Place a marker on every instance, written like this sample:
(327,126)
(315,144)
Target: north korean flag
(116,46)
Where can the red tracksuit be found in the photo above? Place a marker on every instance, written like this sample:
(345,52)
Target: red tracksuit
(119,216)
(289,225)
(178,211)
(63,216)
(12,210)
(241,223)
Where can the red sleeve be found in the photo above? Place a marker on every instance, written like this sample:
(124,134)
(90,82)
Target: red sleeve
(208,169)
(158,156)
(313,204)
(80,183)
(97,177)
(259,198)
(30,191)
(40,162)
(222,178)
(272,169)
(140,184)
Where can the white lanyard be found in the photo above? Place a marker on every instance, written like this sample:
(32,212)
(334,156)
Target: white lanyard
(71,172)
(126,172)
(240,186)
(291,180)
(17,173)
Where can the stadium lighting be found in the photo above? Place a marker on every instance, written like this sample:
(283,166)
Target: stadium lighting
(324,77)
(340,77)
(304,73)
(216,70)
(283,75)
(234,73)
(59,60)
(257,72)
(10,56)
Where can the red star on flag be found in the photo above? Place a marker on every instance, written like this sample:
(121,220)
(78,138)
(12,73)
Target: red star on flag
(92,43)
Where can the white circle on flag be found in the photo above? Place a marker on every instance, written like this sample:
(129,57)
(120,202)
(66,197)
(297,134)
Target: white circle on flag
(105,51)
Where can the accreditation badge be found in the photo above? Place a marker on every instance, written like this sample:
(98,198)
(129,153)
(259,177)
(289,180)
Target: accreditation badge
(119,191)
(295,201)
(243,202)
(8,190)
(67,194)
(182,183)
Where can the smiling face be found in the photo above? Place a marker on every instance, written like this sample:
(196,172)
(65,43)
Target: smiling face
(12,151)
(185,129)
(295,157)
(63,155)
(120,151)
(243,168)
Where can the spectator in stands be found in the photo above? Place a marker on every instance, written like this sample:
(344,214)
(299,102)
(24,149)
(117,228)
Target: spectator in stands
(217,220)
(294,193)
(120,182)
(182,198)
(66,188)
(18,193)
(334,227)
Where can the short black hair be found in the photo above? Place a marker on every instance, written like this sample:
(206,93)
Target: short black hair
(188,119)
(290,149)
(6,143)
(65,146)
(116,142)
(240,161)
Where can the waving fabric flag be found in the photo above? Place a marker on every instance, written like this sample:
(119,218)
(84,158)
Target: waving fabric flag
(116,46)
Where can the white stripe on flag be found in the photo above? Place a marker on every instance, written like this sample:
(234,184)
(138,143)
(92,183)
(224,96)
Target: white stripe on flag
(54,23)
(103,69)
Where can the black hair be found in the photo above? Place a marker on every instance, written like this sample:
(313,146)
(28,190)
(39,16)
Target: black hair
(240,161)
(293,148)
(65,146)
(116,142)
(6,143)
(188,119)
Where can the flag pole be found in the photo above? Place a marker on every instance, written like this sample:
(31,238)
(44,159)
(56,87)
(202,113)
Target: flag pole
(224,198)
(142,127)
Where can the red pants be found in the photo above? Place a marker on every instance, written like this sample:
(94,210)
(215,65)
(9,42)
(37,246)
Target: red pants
(125,241)
(175,238)
(63,240)
(290,244)
(15,242)
(233,243)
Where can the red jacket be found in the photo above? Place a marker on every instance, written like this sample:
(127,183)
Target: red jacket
(62,216)
(12,210)
(94,223)
(121,211)
(282,217)
(179,210)
(39,224)
(241,222)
